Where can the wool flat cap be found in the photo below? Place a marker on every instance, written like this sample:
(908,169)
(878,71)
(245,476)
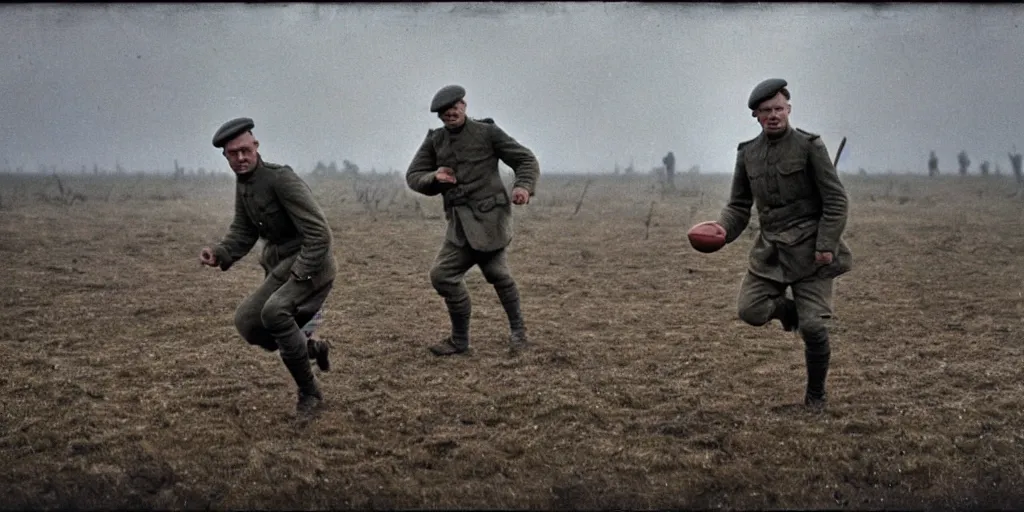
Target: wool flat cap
(765,90)
(446,97)
(232,129)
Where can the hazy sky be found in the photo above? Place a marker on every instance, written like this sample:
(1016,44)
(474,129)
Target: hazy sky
(583,85)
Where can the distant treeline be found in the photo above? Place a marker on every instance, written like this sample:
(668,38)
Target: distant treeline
(348,168)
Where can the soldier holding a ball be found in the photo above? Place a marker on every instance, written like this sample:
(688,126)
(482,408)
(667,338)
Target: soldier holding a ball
(786,173)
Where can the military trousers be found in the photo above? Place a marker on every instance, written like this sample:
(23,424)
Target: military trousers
(759,299)
(448,278)
(452,262)
(271,316)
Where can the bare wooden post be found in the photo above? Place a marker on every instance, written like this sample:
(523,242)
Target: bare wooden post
(647,223)
(579,203)
(60,186)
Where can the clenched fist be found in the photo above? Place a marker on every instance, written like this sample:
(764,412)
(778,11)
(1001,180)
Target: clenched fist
(206,257)
(520,196)
(445,175)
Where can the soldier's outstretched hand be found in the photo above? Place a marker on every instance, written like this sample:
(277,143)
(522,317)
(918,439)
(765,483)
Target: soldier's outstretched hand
(206,257)
(520,196)
(445,175)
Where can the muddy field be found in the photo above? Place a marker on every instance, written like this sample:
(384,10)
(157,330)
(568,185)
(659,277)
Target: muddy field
(126,386)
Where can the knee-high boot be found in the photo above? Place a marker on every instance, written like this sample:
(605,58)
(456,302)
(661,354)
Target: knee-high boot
(459,311)
(817,354)
(508,294)
(296,359)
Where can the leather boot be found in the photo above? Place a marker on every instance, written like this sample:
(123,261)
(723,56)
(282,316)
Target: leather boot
(517,341)
(459,311)
(508,294)
(319,351)
(296,359)
(309,396)
(448,347)
(817,354)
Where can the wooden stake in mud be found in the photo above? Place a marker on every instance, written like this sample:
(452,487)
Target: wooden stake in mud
(579,203)
(647,223)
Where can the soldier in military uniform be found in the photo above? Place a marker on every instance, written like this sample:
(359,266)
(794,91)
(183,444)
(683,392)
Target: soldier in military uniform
(933,164)
(786,173)
(1015,164)
(670,169)
(460,162)
(964,161)
(273,204)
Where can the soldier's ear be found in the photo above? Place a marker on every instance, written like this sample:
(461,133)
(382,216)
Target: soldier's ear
(255,143)
(753,113)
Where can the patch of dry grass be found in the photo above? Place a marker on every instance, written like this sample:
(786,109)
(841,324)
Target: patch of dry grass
(127,387)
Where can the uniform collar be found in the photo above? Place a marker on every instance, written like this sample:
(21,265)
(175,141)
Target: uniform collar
(774,140)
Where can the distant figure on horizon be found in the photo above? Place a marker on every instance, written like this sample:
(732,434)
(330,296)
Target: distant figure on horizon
(1015,163)
(933,164)
(965,163)
(670,169)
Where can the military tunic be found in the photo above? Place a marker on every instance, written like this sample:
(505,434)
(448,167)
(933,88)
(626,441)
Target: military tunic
(477,206)
(802,208)
(273,204)
(479,214)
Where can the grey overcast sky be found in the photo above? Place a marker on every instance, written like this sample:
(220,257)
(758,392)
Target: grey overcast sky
(585,85)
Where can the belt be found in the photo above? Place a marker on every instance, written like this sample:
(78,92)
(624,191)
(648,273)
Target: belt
(288,247)
(779,217)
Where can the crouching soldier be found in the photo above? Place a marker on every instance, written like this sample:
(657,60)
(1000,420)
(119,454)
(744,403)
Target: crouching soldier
(272,203)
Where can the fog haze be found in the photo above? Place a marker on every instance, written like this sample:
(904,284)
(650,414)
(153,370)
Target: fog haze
(586,86)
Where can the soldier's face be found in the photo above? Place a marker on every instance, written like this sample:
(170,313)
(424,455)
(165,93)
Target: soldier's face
(773,114)
(455,115)
(241,153)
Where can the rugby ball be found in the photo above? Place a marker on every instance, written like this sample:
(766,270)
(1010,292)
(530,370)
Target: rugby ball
(707,236)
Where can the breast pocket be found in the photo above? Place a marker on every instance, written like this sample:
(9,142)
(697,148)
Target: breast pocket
(274,220)
(270,210)
(445,156)
(475,154)
(794,182)
(757,173)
